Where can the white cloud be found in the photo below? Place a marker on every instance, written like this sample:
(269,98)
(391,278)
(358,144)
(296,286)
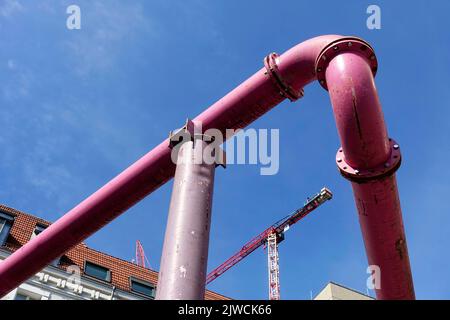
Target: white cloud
(10,7)
(105,27)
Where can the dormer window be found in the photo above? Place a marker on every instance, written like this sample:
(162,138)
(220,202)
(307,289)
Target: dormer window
(37,230)
(6,222)
(97,271)
(143,287)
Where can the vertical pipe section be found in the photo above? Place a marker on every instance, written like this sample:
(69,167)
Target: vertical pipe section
(184,258)
(369,159)
(380,217)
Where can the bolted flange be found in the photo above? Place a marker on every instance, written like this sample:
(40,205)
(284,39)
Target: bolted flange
(363,175)
(270,63)
(347,44)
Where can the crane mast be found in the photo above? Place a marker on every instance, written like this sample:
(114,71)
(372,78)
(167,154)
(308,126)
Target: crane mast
(274,267)
(271,237)
(141,259)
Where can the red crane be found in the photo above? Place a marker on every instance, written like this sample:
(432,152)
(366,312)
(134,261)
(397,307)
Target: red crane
(141,259)
(271,237)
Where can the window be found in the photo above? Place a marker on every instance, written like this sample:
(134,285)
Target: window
(56,262)
(20,296)
(37,230)
(6,222)
(143,287)
(24,296)
(96,271)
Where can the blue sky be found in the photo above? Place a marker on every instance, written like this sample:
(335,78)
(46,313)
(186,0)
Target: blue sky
(77,107)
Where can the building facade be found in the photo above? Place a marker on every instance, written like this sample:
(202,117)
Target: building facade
(82,273)
(334,291)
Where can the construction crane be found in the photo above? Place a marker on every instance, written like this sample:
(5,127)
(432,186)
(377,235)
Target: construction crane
(141,259)
(271,237)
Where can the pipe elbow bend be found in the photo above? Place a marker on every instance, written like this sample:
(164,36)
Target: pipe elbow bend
(307,61)
(339,46)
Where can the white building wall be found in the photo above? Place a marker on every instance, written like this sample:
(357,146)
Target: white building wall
(53,283)
(334,291)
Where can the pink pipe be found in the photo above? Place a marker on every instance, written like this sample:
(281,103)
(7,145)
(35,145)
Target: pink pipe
(384,236)
(284,76)
(184,258)
(357,111)
(365,147)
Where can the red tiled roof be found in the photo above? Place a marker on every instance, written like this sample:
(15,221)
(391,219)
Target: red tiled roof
(121,270)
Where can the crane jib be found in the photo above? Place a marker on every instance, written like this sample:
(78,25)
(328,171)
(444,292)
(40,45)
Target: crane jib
(277,228)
